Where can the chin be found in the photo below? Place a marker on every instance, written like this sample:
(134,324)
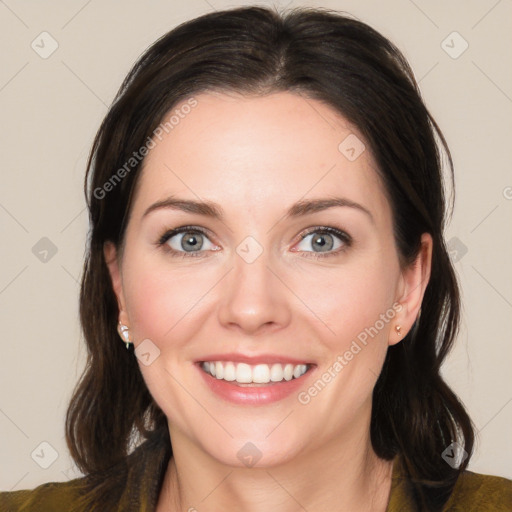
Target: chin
(249,454)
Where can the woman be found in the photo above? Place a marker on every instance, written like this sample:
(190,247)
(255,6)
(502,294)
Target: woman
(267,210)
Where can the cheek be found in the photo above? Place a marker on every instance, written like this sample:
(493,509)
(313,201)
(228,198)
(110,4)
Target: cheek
(357,308)
(159,300)
(350,301)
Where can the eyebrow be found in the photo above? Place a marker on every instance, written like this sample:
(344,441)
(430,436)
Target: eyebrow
(215,211)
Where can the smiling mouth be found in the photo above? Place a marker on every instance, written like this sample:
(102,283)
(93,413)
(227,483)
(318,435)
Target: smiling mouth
(243,374)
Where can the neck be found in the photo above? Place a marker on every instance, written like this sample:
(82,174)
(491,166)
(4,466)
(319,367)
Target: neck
(343,475)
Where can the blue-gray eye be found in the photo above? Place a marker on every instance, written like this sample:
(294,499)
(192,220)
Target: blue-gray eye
(186,240)
(324,240)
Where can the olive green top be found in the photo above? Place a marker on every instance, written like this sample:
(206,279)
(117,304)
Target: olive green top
(135,484)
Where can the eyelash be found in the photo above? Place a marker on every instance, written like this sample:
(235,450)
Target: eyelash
(343,236)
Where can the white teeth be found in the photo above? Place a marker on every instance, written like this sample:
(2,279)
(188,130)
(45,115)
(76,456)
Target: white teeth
(219,370)
(276,373)
(229,372)
(259,374)
(299,370)
(243,373)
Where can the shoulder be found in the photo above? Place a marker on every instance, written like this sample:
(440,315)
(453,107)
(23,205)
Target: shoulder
(475,492)
(472,492)
(131,484)
(48,497)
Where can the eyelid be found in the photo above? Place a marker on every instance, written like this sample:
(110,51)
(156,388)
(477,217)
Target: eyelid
(169,233)
(327,229)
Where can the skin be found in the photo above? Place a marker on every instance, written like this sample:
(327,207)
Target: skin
(255,157)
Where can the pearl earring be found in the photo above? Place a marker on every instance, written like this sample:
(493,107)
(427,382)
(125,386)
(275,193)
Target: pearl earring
(398,330)
(124,333)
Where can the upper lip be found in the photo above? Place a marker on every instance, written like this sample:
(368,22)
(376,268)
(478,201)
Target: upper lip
(254,359)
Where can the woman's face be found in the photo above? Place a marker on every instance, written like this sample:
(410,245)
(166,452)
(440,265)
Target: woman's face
(277,279)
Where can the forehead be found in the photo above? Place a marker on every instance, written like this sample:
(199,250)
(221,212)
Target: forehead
(259,153)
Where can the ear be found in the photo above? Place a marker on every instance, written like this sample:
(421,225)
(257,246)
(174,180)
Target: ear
(413,283)
(111,258)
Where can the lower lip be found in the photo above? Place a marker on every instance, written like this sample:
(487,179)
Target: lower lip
(257,395)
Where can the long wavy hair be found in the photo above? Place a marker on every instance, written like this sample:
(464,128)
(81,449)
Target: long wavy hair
(323,55)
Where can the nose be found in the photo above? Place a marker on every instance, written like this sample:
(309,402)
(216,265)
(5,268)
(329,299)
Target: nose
(254,297)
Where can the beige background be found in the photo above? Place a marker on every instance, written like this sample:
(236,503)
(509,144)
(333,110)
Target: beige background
(51,109)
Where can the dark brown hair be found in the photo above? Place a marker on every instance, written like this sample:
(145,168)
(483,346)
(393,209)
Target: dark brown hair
(346,64)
